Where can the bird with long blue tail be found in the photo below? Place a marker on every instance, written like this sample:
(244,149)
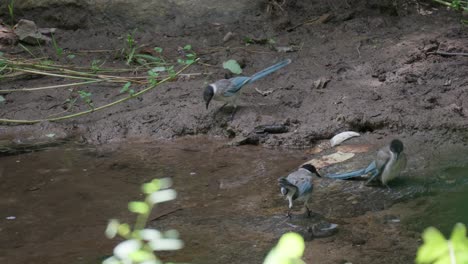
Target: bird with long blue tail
(228,90)
(298,186)
(388,165)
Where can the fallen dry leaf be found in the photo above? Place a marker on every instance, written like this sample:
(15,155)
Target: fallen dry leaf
(328,160)
(354,148)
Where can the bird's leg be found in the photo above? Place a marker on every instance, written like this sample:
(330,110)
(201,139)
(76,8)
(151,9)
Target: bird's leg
(219,110)
(374,174)
(233,112)
(306,205)
(309,212)
(222,106)
(388,187)
(288,214)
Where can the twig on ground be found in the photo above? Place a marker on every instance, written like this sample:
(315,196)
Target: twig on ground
(264,93)
(150,87)
(443,53)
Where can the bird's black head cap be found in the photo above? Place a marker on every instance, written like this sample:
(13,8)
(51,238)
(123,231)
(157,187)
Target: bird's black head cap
(208,95)
(396,146)
(311,168)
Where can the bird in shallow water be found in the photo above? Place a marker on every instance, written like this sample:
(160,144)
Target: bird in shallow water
(388,164)
(298,186)
(228,90)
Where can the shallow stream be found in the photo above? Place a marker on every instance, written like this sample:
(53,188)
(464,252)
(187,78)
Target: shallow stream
(55,203)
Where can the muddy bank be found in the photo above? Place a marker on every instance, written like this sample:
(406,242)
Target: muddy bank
(384,78)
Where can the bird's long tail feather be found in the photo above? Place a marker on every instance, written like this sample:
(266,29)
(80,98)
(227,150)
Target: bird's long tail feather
(268,70)
(284,183)
(353,174)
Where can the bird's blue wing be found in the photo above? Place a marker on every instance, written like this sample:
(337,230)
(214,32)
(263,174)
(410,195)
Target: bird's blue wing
(353,174)
(236,84)
(304,187)
(372,167)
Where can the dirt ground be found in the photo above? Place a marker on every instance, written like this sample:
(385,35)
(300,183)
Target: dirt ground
(384,81)
(383,77)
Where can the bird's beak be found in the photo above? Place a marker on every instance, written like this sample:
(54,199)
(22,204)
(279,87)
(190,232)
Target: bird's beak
(316,173)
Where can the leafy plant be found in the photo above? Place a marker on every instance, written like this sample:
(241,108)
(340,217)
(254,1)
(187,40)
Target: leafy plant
(126,89)
(289,250)
(232,66)
(461,5)
(58,50)
(86,96)
(11,11)
(189,55)
(130,47)
(95,66)
(436,249)
(141,242)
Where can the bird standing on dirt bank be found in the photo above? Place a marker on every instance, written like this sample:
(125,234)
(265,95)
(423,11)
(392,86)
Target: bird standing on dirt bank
(388,165)
(298,186)
(227,90)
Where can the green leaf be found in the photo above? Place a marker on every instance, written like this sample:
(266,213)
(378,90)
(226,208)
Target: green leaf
(71,56)
(153,74)
(188,47)
(459,239)
(149,188)
(112,228)
(123,230)
(434,247)
(291,245)
(131,92)
(289,250)
(233,66)
(181,61)
(158,49)
(162,196)
(163,183)
(141,255)
(190,55)
(158,69)
(125,87)
(166,244)
(138,207)
(189,61)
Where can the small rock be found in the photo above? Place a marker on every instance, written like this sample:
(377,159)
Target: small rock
(382,77)
(321,83)
(358,241)
(251,139)
(411,78)
(456,109)
(27,32)
(271,129)
(228,36)
(375,97)
(10,217)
